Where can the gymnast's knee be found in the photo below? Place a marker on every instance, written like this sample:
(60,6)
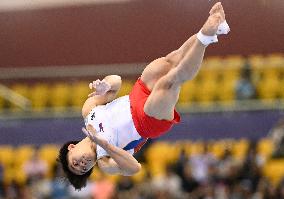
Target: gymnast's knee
(171,80)
(173,58)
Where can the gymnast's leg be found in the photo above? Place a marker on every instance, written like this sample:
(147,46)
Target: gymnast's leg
(165,76)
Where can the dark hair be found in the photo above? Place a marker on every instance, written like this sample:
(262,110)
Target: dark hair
(78,181)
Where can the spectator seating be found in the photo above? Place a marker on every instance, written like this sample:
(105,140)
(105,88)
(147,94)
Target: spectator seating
(39,96)
(59,96)
(126,87)
(49,154)
(78,93)
(265,147)
(157,156)
(215,82)
(187,92)
(274,170)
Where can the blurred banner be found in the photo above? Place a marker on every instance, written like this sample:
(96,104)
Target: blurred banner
(195,126)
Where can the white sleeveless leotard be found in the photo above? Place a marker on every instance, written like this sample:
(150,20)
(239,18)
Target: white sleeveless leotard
(114,123)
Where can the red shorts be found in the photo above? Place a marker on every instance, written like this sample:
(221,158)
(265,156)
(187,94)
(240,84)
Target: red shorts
(147,126)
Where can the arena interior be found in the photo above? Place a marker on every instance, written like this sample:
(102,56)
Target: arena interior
(230,142)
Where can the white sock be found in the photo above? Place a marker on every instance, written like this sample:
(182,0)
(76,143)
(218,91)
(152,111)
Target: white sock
(223,28)
(205,39)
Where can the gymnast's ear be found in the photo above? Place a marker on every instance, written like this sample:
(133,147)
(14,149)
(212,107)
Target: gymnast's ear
(71,146)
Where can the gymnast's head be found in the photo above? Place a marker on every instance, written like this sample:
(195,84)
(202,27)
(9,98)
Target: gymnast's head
(78,159)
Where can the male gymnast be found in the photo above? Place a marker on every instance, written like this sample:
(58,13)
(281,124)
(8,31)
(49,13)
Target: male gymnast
(116,128)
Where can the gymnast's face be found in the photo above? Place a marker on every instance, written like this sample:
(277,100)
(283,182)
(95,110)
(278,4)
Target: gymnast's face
(81,157)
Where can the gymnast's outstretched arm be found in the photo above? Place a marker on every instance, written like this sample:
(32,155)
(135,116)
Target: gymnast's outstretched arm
(104,91)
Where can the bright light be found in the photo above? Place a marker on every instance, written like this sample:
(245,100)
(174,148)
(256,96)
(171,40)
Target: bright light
(35,4)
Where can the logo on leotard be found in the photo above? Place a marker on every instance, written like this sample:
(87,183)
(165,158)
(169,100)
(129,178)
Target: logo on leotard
(101,127)
(93,116)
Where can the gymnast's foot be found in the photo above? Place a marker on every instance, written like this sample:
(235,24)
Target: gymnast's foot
(211,25)
(216,22)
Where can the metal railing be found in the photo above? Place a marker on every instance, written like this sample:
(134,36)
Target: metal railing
(15,98)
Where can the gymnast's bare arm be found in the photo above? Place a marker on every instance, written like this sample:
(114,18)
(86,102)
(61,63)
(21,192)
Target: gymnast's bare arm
(104,91)
(119,162)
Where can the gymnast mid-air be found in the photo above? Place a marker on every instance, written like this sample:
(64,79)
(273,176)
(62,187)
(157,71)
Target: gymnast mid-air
(117,127)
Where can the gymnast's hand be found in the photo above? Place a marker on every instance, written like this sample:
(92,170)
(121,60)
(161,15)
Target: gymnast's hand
(91,133)
(100,87)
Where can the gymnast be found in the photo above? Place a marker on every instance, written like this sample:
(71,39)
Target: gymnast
(116,128)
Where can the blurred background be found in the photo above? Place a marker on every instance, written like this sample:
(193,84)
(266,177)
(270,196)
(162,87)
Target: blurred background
(230,142)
